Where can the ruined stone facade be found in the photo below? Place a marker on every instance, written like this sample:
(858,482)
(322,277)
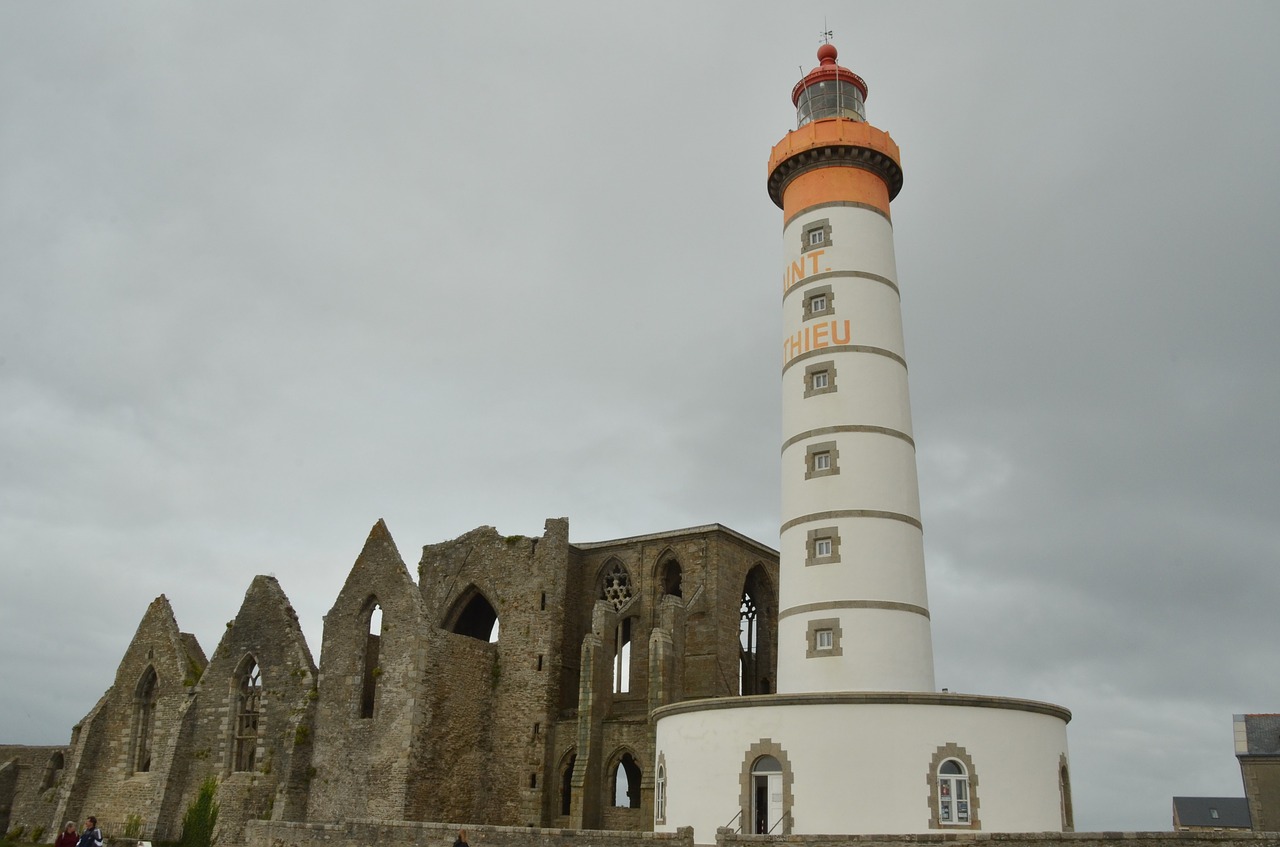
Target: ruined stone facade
(510,685)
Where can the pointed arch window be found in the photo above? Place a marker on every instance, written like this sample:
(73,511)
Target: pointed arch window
(144,719)
(757,614)
(672,576)
(478,619)
(748,639)
(616,585)
(566,784)
(626,783)
(371,671)
(248,710)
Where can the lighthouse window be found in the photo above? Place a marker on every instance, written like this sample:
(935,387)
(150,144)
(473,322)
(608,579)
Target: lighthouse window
(822,546)
(821,460)
(823,638)
(953,793)
(953,789)
(815,234)
(818,301)
(819,378)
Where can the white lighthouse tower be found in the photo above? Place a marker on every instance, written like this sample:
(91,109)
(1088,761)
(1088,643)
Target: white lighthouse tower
(855,740)
(852,588)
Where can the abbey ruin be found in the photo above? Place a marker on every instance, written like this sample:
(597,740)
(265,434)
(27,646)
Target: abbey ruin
(511,684)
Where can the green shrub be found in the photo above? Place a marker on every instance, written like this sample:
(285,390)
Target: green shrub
(36,833)
(201,819)
(132,826)
(16,833)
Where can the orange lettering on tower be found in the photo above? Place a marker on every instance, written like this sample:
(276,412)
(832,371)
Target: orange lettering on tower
(835,335)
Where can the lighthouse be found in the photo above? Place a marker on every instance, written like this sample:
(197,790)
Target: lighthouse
(855,738)
(852,592)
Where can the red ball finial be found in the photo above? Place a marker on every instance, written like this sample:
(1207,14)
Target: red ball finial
(827,54)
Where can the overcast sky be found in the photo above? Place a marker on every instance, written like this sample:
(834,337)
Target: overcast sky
(270,272)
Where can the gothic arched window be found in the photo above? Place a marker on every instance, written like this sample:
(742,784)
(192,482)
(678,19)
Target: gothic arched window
(144,718)
(626,783)
(566,784)
(370,671)
(248,706)
(616,587)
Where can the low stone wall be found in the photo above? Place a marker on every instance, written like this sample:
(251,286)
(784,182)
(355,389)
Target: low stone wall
(374,833)
(729,838)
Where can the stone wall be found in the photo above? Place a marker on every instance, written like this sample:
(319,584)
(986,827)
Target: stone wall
(129,753)
(503,696)
(367,705)
(364,833)
(265,777)
(421,717)
(29,782)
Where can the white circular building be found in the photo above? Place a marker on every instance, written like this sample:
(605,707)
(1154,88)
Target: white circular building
(855,740)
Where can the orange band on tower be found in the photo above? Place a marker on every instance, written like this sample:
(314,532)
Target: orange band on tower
(834,184)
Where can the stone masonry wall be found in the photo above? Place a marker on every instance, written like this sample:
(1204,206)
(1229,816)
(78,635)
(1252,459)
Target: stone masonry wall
(362,764)
(106,776)
(423,718)
(363,833)
(699,618)
(29,782)
(502,695)
(265,634)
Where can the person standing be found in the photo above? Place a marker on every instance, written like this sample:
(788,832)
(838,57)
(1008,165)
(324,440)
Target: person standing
(68,837)
(461,840)
(92,836)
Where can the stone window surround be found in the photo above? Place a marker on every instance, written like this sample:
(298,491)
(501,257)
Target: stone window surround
(807,302)
(765,747)
(822,225)
(660,791)
(1064,790)
(811,546)
(951,750)
(829,368)
(828,447)
(811,638)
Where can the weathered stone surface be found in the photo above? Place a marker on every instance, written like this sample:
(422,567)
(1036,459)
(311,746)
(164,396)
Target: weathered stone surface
(29,782)
(423,718)
(129,754)
(269,778)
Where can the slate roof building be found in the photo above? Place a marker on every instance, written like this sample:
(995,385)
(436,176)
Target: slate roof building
(1211,814)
